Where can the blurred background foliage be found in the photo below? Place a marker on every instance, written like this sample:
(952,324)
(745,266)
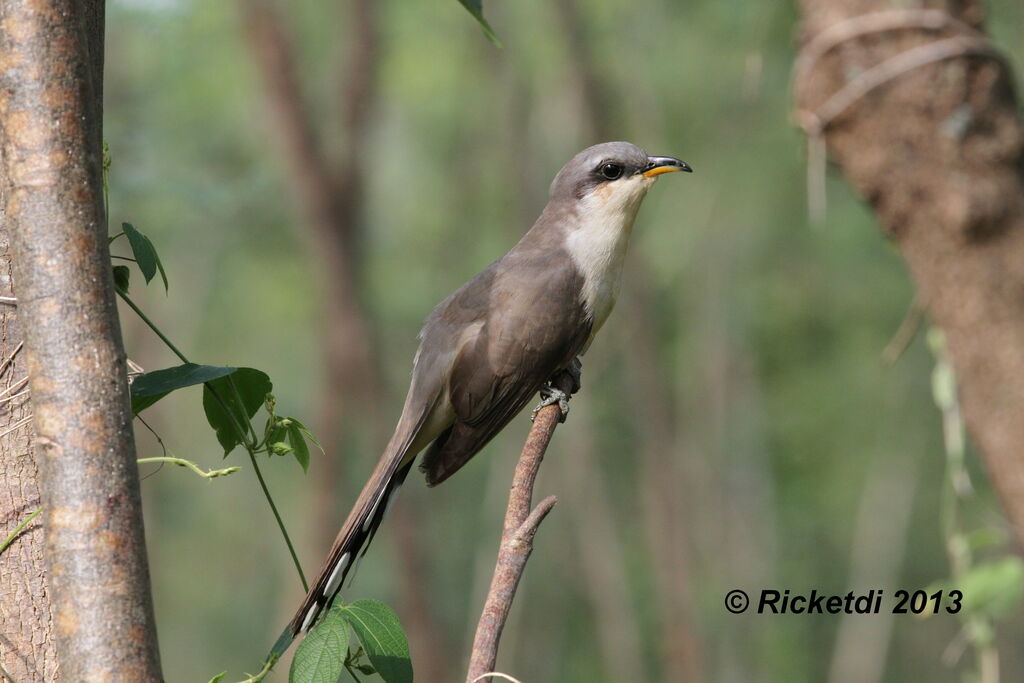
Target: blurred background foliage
(737,428)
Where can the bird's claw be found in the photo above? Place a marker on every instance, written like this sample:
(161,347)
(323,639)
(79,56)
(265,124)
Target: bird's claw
(549,396)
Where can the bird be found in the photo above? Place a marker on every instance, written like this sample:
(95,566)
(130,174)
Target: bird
(499,339)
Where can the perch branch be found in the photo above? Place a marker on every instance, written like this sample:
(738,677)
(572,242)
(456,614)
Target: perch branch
(516,544)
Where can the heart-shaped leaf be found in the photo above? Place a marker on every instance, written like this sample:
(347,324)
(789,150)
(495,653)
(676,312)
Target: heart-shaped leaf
(320,657)
(150,387)
(376,625)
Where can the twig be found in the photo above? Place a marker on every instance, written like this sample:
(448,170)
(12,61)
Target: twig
(14,387)
(496,674)
(7,361)
(17,530)
(16,426)
(17,395)
(516,544)
(267,666)
(181,462)
(905,333)
(243,433)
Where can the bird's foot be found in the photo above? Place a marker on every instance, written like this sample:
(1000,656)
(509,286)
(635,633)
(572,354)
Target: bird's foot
(549,396)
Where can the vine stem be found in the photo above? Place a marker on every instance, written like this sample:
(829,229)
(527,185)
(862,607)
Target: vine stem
(181,462)
(280,522)
(152,326)
(244,434)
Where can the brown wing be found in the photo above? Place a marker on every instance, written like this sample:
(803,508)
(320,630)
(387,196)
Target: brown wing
(535,325)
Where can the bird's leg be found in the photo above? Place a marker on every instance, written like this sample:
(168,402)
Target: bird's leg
(560,388)
(574,371)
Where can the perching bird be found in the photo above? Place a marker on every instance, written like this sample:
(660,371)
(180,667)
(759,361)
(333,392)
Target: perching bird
(498,340)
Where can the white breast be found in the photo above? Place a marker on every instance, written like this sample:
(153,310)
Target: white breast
(598,244)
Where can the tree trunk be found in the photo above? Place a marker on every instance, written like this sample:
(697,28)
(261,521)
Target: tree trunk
(27,652)
(934,141)
(51,108)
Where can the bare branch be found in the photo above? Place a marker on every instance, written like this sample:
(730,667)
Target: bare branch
(516,544)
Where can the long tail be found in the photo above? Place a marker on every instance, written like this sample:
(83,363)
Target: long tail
(359,528)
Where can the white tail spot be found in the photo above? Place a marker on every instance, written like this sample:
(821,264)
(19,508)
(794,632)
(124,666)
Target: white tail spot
(310,615)
(334,582)
(373,510)
(391,501)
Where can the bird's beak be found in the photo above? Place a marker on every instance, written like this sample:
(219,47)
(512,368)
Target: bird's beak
(658,165)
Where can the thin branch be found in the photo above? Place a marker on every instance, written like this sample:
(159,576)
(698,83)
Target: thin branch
(14,387)
(280,522)
(256,678)
(905,333)
(17,530)
(181,462)
(17,425)
(7,361)
(246,433)
(496,674)
(17,395)
(516,544)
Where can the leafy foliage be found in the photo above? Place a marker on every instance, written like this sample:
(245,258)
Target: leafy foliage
(475,7)
(150,387)
(320,657)
(379,633)
(145,254)
(993,589)
(231,401)
(122,278)
(376,625)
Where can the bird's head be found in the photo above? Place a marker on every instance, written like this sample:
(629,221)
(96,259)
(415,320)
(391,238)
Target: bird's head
(615,175)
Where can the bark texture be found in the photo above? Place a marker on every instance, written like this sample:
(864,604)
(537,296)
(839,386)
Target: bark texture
(517,534)
(51,107)
(938,151)
(27,652)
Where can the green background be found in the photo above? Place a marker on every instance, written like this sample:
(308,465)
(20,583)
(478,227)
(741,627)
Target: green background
(799,458)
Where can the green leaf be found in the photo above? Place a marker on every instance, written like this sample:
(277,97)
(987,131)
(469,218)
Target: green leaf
(231,401)
(299,447)
(320,656)
(476,8)
(145,254)
(121,277)
(150,387)
(376,625)
(219,677)
(276,434)
(993,589)
(308,434)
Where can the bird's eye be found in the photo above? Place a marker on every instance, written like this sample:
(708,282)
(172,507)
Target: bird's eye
(611,171)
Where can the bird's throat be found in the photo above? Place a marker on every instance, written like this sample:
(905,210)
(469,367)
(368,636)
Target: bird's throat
(598,244)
